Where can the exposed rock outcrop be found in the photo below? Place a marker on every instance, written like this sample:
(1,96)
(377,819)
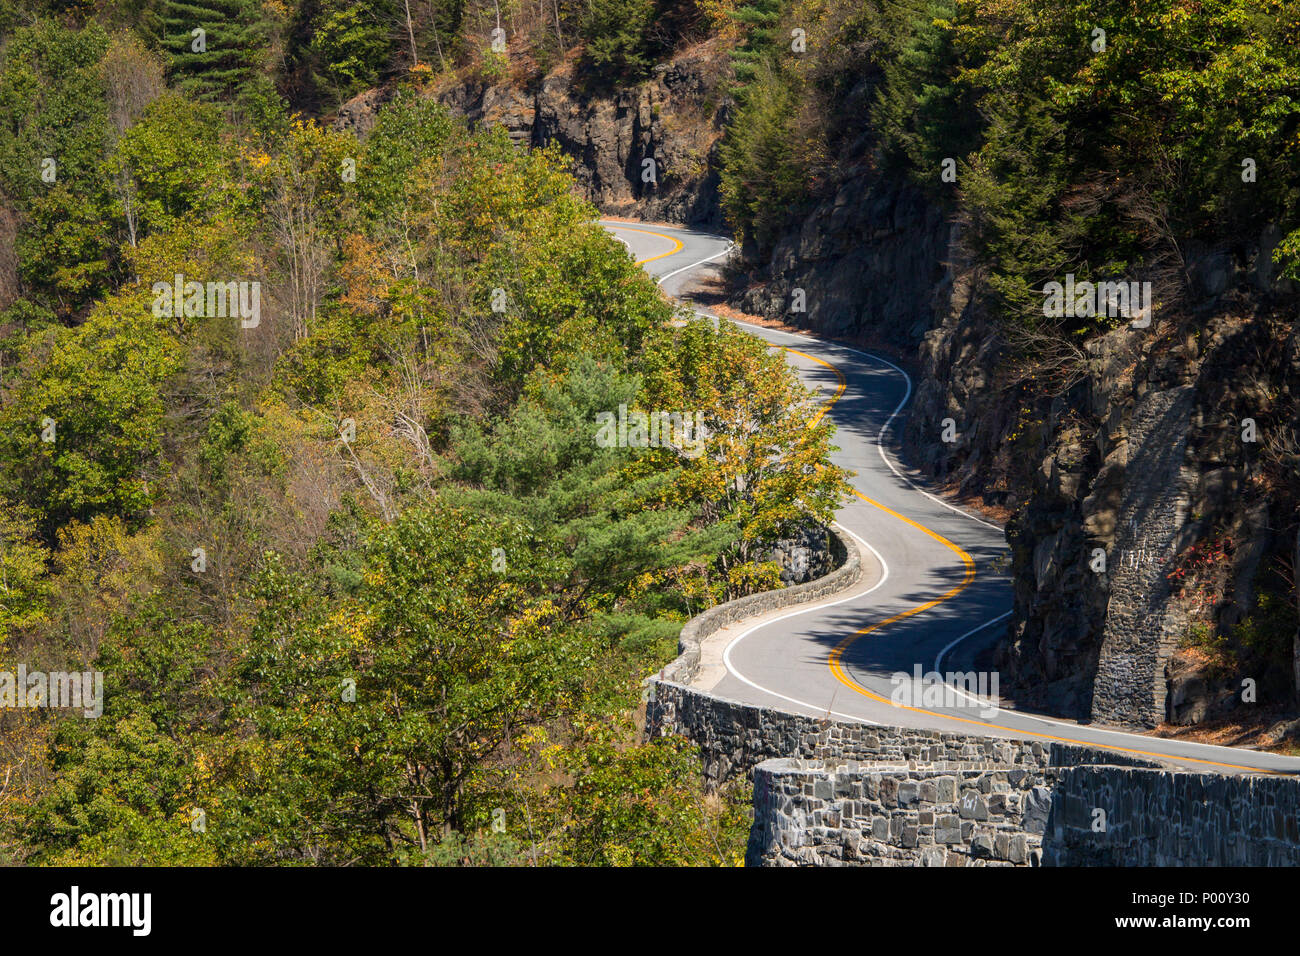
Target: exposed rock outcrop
(674,119)
(646,152)
(803,556)
(1131,448)
(870,258)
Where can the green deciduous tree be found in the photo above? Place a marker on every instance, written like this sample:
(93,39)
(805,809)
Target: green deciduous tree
(353,44)
(24,586)
(82,428)
(645,806)
(450,656)
(52,104)
(765,463)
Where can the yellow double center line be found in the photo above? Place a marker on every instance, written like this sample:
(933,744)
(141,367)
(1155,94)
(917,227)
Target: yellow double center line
(837,654)
(677,245)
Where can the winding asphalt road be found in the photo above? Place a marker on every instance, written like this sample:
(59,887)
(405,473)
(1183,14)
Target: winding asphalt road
(939,599)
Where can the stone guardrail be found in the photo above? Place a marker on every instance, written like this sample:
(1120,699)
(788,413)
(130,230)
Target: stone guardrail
(734,737)
(848,571)
(808,813)
(832,792)
(1172,818)
(1060,813)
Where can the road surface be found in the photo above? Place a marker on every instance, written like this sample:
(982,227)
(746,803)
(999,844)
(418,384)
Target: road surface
(939,597)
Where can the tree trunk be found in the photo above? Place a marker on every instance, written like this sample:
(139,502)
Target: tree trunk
(410,32)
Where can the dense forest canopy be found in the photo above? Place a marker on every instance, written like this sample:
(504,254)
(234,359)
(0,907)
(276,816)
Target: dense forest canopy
(298,451)
(296,427)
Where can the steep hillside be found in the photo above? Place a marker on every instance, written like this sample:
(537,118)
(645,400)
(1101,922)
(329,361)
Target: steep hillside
(917,175)
(308,484)
(940,164)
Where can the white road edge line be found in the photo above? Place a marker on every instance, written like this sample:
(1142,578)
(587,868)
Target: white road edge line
(669,275)
(938,662)
(880,438)
(881,448)
(938,659)
(726,654)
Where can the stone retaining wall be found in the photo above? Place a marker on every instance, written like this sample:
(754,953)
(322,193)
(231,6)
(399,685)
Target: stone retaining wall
(1172,818)
(1142,625)
(734,737)
(814,814)
(847,573)
(818,813)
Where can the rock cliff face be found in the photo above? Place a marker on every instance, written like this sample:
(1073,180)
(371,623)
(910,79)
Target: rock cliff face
(645,152)
(868,259)
(1151,511)
(1138,507)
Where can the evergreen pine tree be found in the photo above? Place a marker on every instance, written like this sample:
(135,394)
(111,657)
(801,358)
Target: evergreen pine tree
(234,33)
(759,19)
